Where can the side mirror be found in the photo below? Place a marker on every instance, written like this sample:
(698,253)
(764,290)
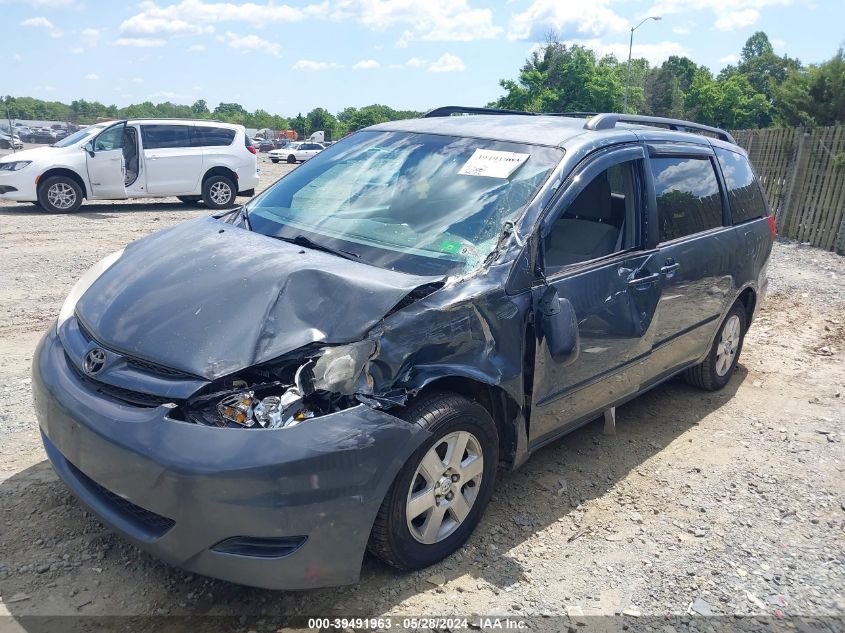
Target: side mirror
(558,326)
(89,147)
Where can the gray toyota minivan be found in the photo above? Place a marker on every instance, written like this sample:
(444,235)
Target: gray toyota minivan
(343,363)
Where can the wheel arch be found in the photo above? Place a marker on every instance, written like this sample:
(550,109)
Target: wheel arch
(748,298)
(501,406)
(68,173)
(221,171)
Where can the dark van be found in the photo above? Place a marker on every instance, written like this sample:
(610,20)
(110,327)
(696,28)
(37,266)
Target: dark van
(343,364)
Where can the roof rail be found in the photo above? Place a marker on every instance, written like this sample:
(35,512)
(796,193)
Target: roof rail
(609,120)
(450,110)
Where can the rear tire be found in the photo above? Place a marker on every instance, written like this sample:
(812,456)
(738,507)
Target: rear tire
(219,192)
(60,194)
(292,159)
(274,160)
(716,370)
(419,523)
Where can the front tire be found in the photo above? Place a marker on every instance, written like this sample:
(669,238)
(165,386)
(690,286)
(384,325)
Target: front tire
(716,370)
(219,192)
(274,160)
(291,159)
(440,494)
(189,199)
(60,194)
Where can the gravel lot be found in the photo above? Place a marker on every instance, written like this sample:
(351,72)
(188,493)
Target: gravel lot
(728,503)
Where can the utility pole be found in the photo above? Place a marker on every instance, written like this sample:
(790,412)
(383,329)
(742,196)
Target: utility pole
(630,48)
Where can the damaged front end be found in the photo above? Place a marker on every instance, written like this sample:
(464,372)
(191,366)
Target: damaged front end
(286,392)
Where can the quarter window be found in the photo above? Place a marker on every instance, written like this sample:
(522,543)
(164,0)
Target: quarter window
(744,192)
(688,197)
(164,136)
(213,136)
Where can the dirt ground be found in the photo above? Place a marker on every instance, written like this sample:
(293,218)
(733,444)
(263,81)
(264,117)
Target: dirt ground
(727,503)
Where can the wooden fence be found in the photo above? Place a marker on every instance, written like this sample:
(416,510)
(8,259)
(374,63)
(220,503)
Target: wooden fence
(803,174)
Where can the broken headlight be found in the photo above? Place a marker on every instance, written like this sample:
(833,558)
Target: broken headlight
(324,384)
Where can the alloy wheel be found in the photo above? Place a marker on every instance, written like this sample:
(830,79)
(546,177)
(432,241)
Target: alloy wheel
(220,193)
(728,345)
(444,487)
(61,195)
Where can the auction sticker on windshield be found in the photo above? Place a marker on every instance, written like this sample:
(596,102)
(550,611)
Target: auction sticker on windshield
(492,163)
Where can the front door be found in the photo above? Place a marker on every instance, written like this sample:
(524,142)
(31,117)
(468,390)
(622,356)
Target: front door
(173,164)
(105,164)
(592,256)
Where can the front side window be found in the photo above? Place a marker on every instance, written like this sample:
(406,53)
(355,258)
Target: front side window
(166,136)
(688,197)
(744,192)
(419,203)
(111,138)
(600,221)
(78,136)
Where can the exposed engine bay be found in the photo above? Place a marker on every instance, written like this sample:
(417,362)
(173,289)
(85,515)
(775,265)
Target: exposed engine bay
(284,394)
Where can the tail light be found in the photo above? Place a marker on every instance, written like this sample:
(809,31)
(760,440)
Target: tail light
(772,227)
(251,149)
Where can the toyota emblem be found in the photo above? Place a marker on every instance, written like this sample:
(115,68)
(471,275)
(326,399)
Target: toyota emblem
(95,360)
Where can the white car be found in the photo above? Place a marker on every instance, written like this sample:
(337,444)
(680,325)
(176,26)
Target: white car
(296,152)
(138,158)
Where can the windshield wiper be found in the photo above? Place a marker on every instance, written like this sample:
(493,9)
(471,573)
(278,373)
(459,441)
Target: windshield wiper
(307,242)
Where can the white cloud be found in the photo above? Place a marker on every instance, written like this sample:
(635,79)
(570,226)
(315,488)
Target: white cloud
(733,20)
(655,53)
(143,24)
(39,22)
(247,43)
(433,20)
(196,48)
(729,59)
(142,42)
(190,15)
(366,64)
(48,4)
(681,30)
(728,14)
(17,57)
(137,80)
(92,76)
(90,36)
(447,63)
(571,20)
(416,62)
(310,64)
(76,50)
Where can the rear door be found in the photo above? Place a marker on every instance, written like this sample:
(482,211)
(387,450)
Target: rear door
(174,164)
(592,256)
(105,163)
(698,253)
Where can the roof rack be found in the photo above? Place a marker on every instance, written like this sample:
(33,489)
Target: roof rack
(609,120)
(450,110)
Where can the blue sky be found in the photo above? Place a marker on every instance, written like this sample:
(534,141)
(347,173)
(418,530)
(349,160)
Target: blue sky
(291,57)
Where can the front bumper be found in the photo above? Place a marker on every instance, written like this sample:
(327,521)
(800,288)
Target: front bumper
(18,185)
(178,490)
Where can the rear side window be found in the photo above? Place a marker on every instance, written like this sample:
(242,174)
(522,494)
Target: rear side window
(213,136)
(163,136)
(744,193)
(688,198)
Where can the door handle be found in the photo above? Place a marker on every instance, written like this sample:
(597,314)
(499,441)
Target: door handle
(152,157)
(644,281)
(669,269)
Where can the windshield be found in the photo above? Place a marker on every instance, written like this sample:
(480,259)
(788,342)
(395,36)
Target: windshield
(419,203)
(78,136)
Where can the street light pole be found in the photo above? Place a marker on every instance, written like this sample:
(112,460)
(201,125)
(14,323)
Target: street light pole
(630,48)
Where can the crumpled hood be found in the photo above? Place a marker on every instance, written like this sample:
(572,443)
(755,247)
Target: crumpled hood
(210,298)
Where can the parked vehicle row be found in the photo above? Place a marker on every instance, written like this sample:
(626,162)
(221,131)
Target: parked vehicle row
(343,364)
(138,158)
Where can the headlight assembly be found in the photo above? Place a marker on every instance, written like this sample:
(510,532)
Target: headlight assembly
(15,165)
(85,282)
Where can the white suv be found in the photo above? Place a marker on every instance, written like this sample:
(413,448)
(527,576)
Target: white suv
(139,158)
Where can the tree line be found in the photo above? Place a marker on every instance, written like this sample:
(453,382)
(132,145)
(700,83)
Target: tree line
(86,112)
(761,90)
